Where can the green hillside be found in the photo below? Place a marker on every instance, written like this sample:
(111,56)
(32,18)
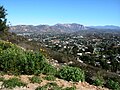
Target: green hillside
(17,60)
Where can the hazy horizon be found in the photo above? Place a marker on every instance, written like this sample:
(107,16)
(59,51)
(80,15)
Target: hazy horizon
(64,23)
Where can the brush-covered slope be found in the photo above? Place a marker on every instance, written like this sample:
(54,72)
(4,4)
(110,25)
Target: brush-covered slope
(15,60)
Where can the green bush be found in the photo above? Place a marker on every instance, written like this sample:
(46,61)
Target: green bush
(10,60)
(113,85)
(4,45)
(2,73)
(71,74)
(12,83)
(34,63)
(41,88)
(50,78)
(69,88)
(98,79)
(35,79)
(15,60)
(98,82)
(49,86)
(49,69)
(54,86)
(1,79)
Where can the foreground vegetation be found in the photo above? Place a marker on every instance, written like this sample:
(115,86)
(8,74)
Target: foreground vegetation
(54,86)
(16,60)
(12,83)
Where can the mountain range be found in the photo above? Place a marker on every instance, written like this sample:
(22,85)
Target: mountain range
(58,28)
(106,27)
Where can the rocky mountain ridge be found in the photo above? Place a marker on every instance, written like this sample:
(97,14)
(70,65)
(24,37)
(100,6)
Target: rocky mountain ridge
(57,28)
(61,28)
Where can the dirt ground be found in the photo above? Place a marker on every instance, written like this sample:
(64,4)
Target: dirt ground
(60,82)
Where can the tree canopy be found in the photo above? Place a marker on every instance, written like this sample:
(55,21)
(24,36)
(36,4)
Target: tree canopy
(3,20)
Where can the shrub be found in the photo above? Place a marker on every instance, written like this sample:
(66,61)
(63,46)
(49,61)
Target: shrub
(2,73)
(53,86)
(12,83)
(10,60)
(71,74)
(88,78)
(113,85)
(41,88)
(1,79)
(34,63)
(49,69)
(50,78)
(49,86)
(70,88)
(5,45)
(15,60)
(35,79)
(98,82)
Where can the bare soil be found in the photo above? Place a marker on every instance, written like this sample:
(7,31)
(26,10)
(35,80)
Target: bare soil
(60,82)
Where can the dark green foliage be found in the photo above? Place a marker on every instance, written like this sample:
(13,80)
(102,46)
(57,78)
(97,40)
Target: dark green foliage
(113,85)
(54,86)
(1,79)
(41,88)
(34,63)
(49,86)
(35,79)
(15,60)
(70,88)
(2,73)
(98,82)
(3,20)
(45,87)
(71,74)
(50,78)
(12,83)
(49,69)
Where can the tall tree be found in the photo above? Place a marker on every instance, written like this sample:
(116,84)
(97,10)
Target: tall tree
(3,20)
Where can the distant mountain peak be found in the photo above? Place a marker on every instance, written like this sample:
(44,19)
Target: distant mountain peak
(57,28)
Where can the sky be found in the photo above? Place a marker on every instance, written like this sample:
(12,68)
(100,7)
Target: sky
(86,12)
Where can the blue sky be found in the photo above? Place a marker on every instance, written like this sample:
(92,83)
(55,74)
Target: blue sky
(86,12)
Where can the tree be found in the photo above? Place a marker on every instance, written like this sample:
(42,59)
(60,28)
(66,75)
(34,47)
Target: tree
(75,50)
(3,20)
